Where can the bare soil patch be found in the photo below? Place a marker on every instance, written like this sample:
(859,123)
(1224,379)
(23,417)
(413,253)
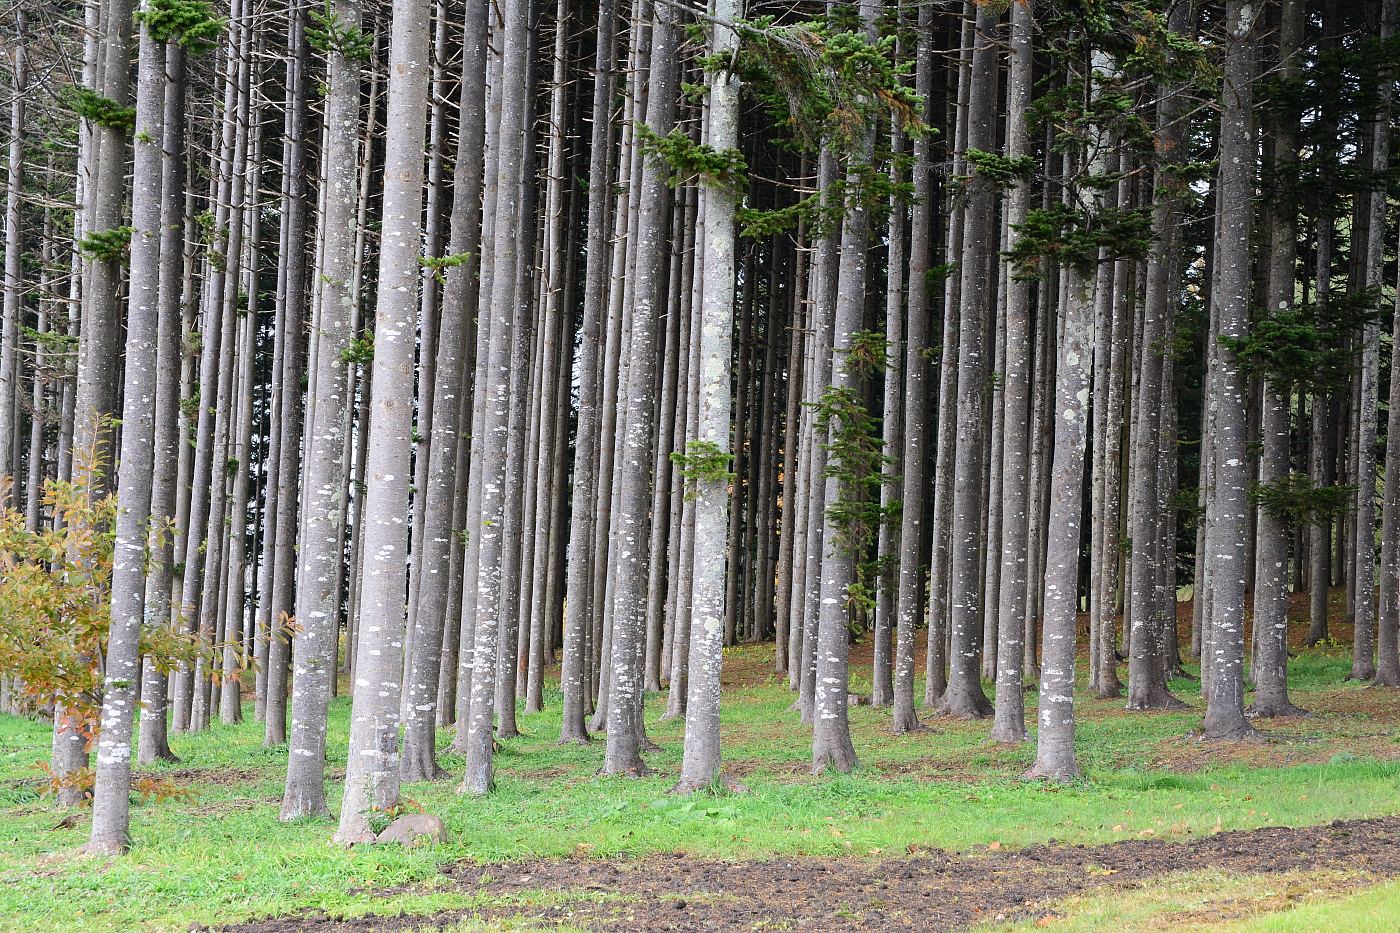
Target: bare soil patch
(928,890)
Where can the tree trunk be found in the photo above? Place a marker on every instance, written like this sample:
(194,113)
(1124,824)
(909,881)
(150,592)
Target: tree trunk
(1230,294)
(1010,723)
(111,808)
(372,772)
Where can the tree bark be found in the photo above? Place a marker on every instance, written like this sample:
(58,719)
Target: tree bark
(372,771)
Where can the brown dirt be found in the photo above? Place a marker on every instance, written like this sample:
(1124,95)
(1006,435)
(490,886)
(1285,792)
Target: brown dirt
(929,890)
(220,777)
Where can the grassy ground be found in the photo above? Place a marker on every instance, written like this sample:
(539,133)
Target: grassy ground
(221,856)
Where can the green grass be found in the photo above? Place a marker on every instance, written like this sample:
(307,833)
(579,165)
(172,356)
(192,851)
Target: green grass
(223,856)
(1373,911)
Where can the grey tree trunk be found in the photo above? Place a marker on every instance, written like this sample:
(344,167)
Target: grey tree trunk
(1230,294)
(625,733)
(459,305)
(831,732)
(372,772)
(963,697)
(14,247)
(1054,752)
(1146,621)
(111,814)
(1010,719)
(152,743)
(1388,623)
(578,606)
(700,764)
(496,398)
(916,400)
(321,543)
(1270,669)
(1363,665)
(95,391)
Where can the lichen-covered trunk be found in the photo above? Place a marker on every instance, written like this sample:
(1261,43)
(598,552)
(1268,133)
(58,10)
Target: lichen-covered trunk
(1224,717)
(111,811)
(700,764)
(499,305)
(632,541)
(1270,669)
(321,544)
(153,742)
(914,460)
(372,769)
(1364,644)
(963,697)
(1054,751)
(578,609)
(1010,717)
(459,302)
(1146,621)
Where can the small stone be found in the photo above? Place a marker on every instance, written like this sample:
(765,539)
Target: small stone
(412,829)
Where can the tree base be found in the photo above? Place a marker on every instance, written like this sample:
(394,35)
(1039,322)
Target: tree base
(907,726)
(357,837)
(303,809)
(574,738)
(971,704)
(1055,774)
(477,787)
(632,769)
(1008,735)
(1111,691)
(720,784)
(1282,710)
(1158,699)
(833,761)
(164,754)
(1231,731)
(414,771)
(104,848)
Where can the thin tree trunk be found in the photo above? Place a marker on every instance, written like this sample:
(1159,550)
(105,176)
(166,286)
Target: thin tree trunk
(1010,720)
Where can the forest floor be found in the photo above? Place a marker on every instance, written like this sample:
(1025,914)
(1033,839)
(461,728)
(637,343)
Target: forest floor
(935,830)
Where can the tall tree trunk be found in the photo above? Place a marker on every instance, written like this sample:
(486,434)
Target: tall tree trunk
(964,698)
(624,722)
(496,398)
(111,808)
(459,304)
(14,245)
(700,764)
(1230,295)
(578,606)
(1145,622)
(320,548)
(372,772)
(1010,723)
(153,743)
(1270,667)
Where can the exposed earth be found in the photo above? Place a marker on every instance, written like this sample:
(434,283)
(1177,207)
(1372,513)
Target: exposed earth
(923,891)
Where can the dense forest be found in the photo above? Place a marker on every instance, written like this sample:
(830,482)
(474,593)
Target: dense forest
(470,357)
